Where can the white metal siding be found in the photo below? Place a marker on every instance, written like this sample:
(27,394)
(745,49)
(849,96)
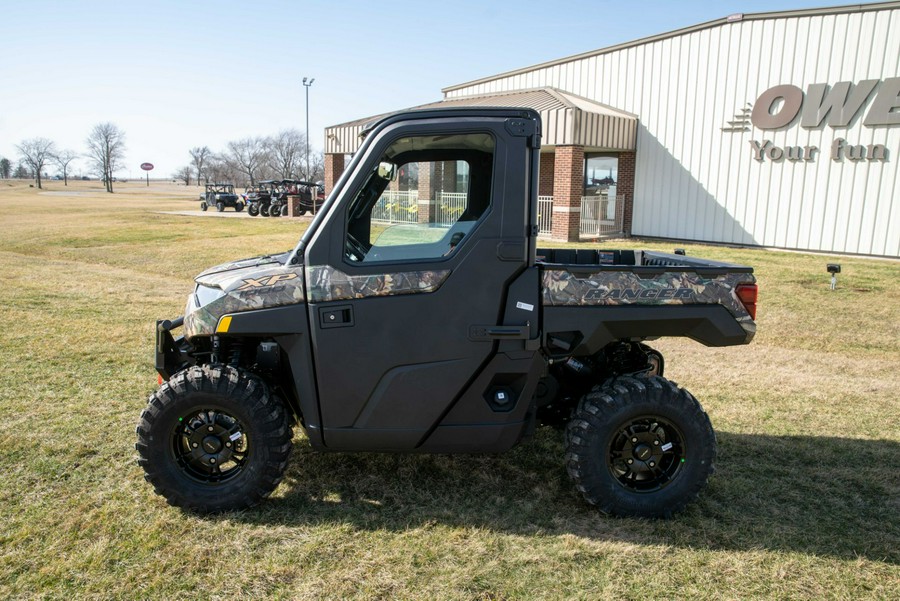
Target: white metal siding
(694,181)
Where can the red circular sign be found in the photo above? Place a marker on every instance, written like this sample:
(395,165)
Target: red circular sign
(147,166)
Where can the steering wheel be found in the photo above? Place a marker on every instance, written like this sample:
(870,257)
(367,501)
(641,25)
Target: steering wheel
(354,250)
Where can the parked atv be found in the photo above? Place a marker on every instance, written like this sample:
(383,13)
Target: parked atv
(257,199)
(451,334)
(220,196)
(279,206)
(310,195)
(265,193)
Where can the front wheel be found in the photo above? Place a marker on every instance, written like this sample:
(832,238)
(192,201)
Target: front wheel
(213,439)
(238,207)
(203,206)
(220,206)
(640,447)
(252,210)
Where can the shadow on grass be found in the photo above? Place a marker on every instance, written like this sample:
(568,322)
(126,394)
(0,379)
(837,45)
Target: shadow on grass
(813,495)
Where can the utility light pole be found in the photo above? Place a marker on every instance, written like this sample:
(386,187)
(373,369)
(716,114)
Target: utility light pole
(307,85)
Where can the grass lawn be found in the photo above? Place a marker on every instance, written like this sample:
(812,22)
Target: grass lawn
(805,503)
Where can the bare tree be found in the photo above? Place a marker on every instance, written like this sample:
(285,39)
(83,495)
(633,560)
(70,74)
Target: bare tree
(184,174)
(286,153)
(218,169)
(106,151)
(248,156)
(5,168)
(318,168)
(36,153)
(199,157)
(62,160)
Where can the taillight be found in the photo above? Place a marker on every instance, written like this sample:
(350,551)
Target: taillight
(159,379)
(748,293)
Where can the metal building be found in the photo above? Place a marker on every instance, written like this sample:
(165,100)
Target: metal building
(773,129)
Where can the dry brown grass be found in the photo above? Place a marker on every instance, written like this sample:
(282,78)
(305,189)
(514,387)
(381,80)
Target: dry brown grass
(804,504)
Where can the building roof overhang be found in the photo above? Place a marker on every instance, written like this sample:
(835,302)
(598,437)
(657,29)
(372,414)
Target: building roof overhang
(568,120)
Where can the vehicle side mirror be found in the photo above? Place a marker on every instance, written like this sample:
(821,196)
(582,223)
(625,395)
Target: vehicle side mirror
(386,171)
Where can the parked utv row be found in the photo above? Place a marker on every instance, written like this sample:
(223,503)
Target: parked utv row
(270,198)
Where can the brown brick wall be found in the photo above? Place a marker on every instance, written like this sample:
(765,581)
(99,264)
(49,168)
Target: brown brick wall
(448,176)
(293,206)
(568,187)
(625,185)
(545,183)
(428,179)
(334,167)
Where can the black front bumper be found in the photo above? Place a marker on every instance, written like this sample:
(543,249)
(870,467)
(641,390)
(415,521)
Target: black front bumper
(170,355)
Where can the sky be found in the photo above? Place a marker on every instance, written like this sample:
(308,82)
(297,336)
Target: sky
(178,74)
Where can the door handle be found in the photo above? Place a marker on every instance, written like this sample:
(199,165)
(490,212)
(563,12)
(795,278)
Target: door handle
(336,317)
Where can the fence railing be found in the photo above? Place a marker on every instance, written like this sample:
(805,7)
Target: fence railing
(403,207)
(601,215)
(397,207)
(450,206)
(545,215)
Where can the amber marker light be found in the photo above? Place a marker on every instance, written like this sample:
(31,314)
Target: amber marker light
(224,324)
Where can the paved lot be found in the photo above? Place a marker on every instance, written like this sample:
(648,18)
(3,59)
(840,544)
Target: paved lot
(228,214)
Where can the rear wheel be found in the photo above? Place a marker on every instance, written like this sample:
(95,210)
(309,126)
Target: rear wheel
(239,206)
(253,210)
(213,439)
(640,447)
(264,210)
(284,211)
(220,206)
(203,206)
(275,211)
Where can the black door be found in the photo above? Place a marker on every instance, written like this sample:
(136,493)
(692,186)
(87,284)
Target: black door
(421,246)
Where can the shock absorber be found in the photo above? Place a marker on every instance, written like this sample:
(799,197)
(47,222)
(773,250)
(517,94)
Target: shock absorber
(581,366)
(216,349)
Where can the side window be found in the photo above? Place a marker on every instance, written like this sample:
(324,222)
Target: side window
(422,199)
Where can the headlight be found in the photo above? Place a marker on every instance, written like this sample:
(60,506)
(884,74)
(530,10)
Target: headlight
(207,294)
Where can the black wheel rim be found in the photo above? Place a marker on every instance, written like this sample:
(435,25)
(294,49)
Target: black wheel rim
(210,446)
(646,454)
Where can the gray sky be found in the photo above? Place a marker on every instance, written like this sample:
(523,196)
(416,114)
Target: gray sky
(174,75)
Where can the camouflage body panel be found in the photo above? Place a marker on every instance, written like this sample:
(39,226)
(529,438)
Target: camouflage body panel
(244,264)
(248,285)
(327,283)
(616,288)
(264,283)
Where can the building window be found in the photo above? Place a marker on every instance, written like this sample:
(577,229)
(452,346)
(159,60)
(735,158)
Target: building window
(601,172)
(409,177)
